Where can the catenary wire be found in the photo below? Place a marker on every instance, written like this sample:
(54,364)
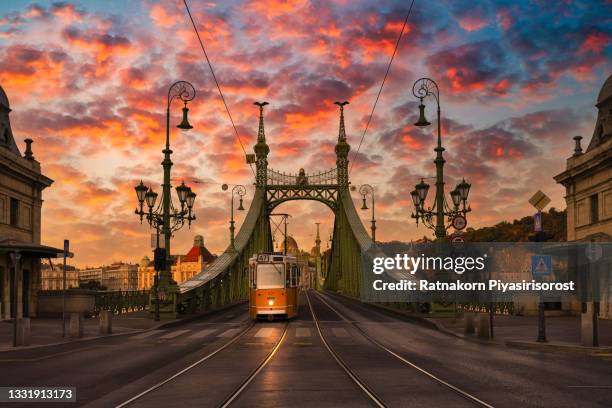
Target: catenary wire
(382,84)
(216,81)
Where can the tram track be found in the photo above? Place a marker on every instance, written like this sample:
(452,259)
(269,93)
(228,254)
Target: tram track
(351,374)
(471,398)
(238,391)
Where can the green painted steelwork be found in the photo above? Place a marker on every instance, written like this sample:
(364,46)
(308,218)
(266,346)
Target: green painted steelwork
(119,302)
(225,280)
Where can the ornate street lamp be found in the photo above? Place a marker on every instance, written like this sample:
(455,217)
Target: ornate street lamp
(366,190)
(239,190)
(166,218)
(455,215)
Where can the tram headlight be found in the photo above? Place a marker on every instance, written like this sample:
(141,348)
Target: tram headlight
(270,301)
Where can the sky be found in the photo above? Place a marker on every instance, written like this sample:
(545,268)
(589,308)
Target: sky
(87,81)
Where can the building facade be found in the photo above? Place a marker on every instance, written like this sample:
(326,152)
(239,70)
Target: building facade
(117,276)
(588,192)
(53,278)
(588,178)
(183,268)
(21,187)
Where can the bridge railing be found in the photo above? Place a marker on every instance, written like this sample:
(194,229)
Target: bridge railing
(500,308)
(277,178)
(119,302)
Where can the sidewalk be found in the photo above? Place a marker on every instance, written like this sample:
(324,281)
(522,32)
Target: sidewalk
(47,331)
(561,331)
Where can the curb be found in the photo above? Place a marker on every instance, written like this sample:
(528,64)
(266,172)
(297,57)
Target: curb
(552,347)
(161,325)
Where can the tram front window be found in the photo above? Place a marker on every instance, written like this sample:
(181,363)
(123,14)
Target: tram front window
(270,276)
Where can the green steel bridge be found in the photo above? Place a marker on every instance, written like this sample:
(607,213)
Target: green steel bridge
(225,281)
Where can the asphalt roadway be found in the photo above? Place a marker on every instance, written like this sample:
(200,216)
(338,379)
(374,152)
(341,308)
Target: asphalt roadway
(302,373)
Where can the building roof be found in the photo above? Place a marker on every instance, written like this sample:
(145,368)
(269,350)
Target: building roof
(30,249)
(292,246)
(606,91)
(196,251)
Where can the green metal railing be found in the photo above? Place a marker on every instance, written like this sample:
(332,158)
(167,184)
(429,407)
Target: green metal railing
(121,302)
(500,308)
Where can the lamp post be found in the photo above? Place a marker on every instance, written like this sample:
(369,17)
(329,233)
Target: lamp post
(166,217)
(421,89)
(366,190)
(239,190)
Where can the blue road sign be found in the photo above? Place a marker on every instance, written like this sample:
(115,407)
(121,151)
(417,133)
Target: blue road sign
(541,265)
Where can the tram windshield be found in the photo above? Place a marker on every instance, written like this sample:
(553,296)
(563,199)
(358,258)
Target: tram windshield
(270,276)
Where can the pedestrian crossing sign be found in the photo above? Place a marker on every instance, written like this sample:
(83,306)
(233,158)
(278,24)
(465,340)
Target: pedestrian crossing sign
(541,265)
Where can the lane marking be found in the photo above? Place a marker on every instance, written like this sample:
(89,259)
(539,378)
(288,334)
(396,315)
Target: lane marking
(229,333)
(340,332)
(174,334)
(202,333)
(184,370)
(265,332)
(147,334)
(302,332)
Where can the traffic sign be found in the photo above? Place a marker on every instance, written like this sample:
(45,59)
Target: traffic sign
(459,222)
(539,200)
(458,240)
(537,221)
(541,265)
(66,248)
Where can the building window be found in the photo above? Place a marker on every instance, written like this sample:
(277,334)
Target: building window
(594,209)
(14,212)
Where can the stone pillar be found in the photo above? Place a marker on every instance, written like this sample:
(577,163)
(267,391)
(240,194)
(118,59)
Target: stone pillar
(469,323)
(75,330)
(23,331)
(484,328)
(106,322)
(19,294)
(587,326)
(6,295)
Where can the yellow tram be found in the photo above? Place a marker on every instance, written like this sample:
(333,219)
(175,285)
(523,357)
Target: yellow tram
(273,286)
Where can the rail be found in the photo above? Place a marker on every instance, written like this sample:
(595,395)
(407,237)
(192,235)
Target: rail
(121,301)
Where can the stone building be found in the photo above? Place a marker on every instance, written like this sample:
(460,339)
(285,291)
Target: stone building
(120,276)
(117,276)
(21,186)
(588,190)
(53,278)
(588,178)
(183,268)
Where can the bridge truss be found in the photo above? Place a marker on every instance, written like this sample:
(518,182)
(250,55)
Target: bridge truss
(225,280)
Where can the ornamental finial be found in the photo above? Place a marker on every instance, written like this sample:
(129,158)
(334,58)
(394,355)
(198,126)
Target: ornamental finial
(261,135)
(342,131)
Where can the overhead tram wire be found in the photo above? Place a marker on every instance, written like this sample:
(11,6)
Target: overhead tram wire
(399,38)
(216,81)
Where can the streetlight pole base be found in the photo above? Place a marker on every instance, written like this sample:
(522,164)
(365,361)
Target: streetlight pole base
(168,302)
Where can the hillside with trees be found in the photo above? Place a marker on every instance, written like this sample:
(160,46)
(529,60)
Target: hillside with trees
(553,223)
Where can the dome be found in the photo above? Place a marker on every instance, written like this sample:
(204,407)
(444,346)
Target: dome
(145,261)
(292,246)
(198,241)
(313,251)
(3,98)
(606,91)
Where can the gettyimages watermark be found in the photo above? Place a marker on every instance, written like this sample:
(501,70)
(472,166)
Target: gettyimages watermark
(487,272)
